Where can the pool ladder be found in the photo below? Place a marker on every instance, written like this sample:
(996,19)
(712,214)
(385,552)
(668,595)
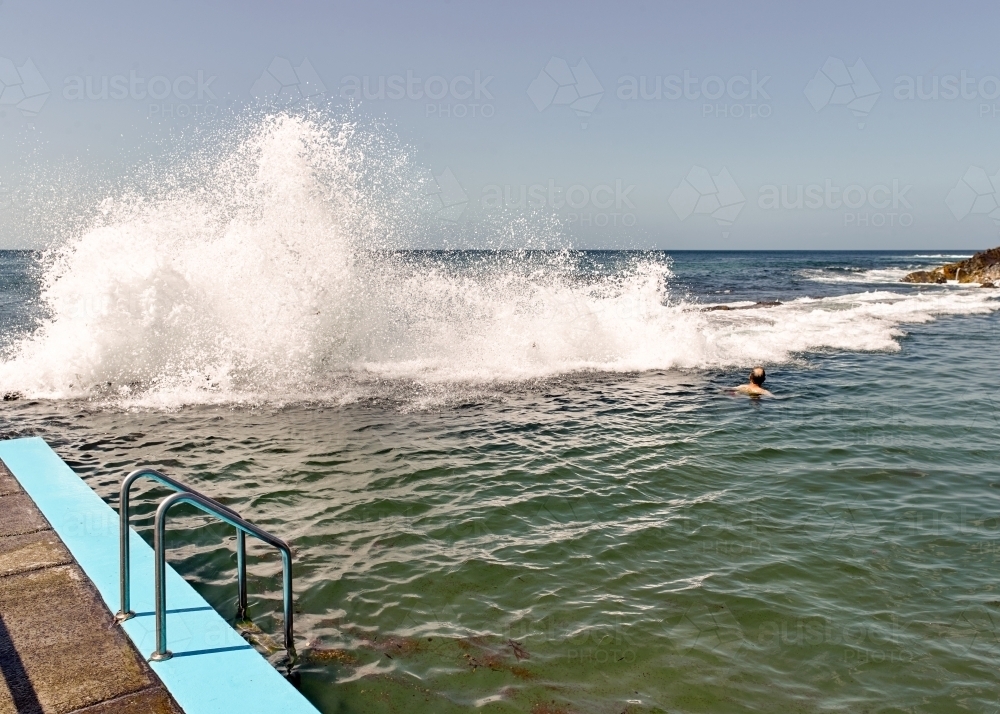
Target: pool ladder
(186,494)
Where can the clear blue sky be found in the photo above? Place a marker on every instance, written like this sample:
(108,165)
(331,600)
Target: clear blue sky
(621,158)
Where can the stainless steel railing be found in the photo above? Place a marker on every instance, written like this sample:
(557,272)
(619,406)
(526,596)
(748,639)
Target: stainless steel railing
(186,494)
(242,526)
(124,563)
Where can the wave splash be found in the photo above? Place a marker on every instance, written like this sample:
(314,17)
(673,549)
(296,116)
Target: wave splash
(271,274)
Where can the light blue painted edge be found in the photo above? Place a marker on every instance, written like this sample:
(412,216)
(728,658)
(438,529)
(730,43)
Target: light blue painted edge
(213,669)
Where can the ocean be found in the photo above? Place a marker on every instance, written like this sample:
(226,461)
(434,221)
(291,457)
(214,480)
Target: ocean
(518,480)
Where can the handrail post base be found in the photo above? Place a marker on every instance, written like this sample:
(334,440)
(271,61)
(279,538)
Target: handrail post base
(160,657)
(122,616)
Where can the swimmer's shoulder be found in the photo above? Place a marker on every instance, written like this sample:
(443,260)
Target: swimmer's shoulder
(752,391)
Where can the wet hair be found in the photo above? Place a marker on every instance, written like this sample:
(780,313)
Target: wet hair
(757,376)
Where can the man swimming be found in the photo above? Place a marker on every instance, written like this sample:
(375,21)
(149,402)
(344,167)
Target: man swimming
(754,388)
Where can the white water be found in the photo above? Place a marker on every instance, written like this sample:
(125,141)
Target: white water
(265,277)
(871,276)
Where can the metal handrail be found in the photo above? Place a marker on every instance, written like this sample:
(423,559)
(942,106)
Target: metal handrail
(124,568)
(242,526)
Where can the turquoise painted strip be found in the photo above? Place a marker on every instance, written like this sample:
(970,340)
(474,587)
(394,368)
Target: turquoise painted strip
(213,669)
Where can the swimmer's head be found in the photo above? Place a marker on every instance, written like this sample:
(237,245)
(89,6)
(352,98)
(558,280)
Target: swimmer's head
(757,376)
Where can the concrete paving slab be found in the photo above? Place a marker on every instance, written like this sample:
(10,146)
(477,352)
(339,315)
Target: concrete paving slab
(8,484)
(149,701)
(21,553)
(56,634)
(20,515)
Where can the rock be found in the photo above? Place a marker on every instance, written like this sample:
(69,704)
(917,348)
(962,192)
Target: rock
(988,284)
(983,267)
(762,303)
(925,276)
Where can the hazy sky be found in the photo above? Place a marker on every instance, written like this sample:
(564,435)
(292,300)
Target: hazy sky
(674,125)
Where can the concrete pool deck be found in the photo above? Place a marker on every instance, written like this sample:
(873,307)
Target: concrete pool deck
(60,650)
(60,546)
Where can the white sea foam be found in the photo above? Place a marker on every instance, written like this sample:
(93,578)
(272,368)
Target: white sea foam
(855,275)
(270,278)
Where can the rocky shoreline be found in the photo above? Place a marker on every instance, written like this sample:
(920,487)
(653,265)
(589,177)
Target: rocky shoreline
(982,268)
